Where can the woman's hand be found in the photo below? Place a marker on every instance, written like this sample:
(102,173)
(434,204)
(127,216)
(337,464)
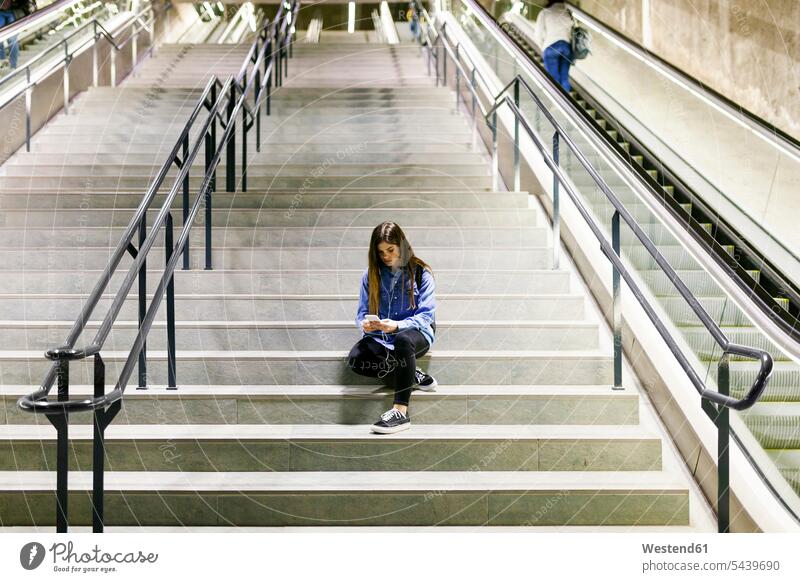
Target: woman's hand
(371,325)
(387,325)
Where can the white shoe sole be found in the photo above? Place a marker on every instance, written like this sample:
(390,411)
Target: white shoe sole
(391,430)
(428,388)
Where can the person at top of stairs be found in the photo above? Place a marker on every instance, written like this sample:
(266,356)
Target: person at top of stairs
(396,314)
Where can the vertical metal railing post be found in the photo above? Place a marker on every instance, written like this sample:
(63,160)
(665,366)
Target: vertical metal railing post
(723,450)
(186,199)
(142,305)
(556,206)
(113,66)
(474,91)
(67,59)
(214,136)
(230,160)
(617,307)
(458,76)
(95,72)
(436,63)
(516,137)
(212,184)
(61,424)
(444,56)
(244,135)
(267,60)
(495,161)
(98,447)
(28,96)
(134,51)
(257,108)
(169,248)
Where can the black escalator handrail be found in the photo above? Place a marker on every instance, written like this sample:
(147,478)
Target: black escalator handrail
(729,348)
(734,108)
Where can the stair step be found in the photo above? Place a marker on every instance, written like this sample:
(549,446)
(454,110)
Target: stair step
(304,217)
(354,404)
(261,237)
(308,335)
(435,201)
(418,180)
(329,367)
(294,285)
(278,307)
(321,448)
(50,259)
(359,498)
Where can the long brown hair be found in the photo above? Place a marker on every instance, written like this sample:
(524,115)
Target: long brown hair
(390,232)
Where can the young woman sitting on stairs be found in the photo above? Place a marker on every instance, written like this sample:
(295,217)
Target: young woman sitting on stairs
(396,315)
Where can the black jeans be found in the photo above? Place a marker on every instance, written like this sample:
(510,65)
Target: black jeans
(371,358)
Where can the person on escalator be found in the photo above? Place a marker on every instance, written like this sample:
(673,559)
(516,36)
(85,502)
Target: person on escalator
(11,11)
(554,34)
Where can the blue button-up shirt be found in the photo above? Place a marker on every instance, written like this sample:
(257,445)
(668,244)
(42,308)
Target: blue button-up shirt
(394,304)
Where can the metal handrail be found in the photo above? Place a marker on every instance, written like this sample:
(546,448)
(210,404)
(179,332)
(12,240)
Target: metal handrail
(754,296)
(33,402)
(99,32)
(721,397)
(24,23)
(104,405)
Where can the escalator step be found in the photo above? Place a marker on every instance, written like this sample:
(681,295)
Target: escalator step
(601,123)
(626,146)
(613,134)
(730,249)
(639,160)
(653,174)
(592,113)
(707,226)
(783,302)
(669,190)
(687,207)
(755,274)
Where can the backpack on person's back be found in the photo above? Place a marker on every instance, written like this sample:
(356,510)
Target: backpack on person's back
(580,41)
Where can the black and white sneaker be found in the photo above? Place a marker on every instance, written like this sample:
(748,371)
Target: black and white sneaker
(425,382)
(391,421)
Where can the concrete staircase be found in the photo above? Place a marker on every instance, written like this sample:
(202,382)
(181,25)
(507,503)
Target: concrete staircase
(268,428)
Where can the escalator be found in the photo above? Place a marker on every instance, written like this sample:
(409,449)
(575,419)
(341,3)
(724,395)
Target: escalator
(753,296)
(752,269)
(773,422)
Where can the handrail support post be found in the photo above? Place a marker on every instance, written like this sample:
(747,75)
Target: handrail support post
(495,162)
(723,449)
(169,248)
(458,76)
(516,137)
(98,448)
(61,423)
(617,308)
(142,306)
(230,160)
(556,207)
